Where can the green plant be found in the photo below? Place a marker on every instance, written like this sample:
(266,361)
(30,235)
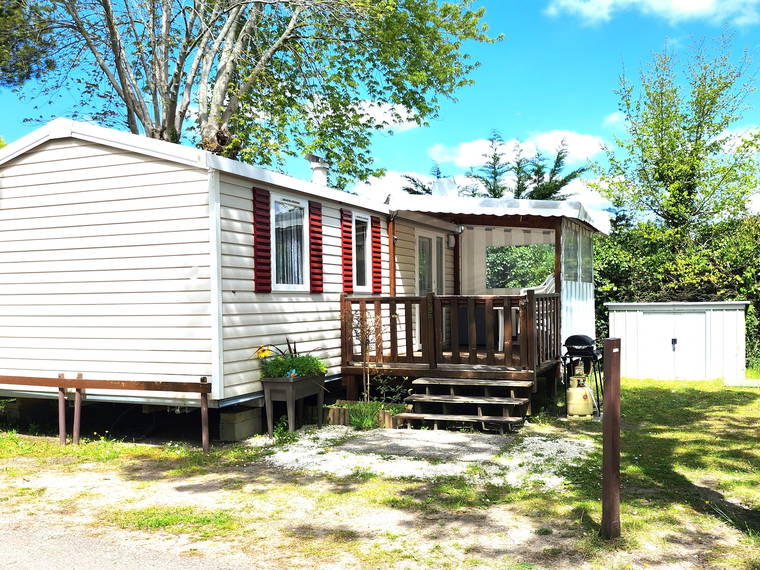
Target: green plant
(392,389)
(280,366)
(282,433)
(364,415)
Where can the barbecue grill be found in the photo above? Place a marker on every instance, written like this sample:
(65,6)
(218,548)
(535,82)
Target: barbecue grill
(582,348)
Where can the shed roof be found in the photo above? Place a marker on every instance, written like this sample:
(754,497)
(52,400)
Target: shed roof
(449,208)
(677,306)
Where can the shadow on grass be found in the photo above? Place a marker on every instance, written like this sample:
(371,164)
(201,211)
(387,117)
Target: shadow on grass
(666,429)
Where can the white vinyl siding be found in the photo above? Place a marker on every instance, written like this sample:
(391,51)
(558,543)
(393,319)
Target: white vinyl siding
(104,265)
(251,319)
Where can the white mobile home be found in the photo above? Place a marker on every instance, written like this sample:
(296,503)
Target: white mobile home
(127,258)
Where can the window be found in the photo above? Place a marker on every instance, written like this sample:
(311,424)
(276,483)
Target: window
(289,240)
(587,258)
(570,255)
(518,266)
(361,253)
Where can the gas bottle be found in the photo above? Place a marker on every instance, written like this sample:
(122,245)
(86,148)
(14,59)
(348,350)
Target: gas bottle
(579,399)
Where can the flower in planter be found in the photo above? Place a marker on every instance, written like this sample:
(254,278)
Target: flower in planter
(288,364)
(263,352)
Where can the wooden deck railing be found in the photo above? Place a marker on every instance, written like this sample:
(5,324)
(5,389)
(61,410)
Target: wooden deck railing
(512,331)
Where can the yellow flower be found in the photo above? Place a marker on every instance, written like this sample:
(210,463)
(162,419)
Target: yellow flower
(263,352)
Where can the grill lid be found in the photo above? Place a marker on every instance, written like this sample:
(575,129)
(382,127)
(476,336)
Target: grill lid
(579,341)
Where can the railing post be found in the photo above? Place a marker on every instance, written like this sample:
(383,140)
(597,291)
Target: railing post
(610,526)
(532,331)
(429,335)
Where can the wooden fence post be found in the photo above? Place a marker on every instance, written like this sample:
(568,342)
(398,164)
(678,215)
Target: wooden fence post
(204,417)
(61,413)
(76,428)
(610,527)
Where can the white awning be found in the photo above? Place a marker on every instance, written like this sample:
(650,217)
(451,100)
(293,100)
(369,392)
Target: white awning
(466,205)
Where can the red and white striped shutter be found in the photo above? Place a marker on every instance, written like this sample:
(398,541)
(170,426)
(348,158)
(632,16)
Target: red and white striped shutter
(377,274)
(262,242)
(346,246)
(316,279)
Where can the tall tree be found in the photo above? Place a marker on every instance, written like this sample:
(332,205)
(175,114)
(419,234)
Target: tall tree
(521,169)
(490,176)
(418,186)
(25,42)
(548,185)
(2,142)
(524,178)
(682,175)
(266,79)
(681,163)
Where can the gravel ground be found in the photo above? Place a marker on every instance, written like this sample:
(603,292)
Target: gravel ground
(427,454)
(35,543)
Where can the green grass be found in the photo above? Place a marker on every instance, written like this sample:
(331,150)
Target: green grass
(171,459)
(690,474)
(202,523)
(753,373)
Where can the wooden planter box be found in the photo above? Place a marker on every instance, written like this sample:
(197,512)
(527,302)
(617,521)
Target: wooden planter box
(339,416)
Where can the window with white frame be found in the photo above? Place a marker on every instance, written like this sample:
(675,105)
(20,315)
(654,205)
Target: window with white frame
(362,254)
(289,241)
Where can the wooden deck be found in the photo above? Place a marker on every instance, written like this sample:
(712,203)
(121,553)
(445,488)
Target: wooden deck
(455,336)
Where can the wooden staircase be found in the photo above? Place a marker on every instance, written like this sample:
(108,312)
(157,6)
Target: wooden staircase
(451,402)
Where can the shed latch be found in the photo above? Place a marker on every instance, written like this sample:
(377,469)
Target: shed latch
(674,342)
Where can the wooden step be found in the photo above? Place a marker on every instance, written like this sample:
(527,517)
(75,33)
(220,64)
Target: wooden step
(459,418)
(473,382)
(445,399)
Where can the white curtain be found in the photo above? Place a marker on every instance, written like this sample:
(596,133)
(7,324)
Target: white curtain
(289,243)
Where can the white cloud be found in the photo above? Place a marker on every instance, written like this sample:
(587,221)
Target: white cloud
(580,147)
(392,182)
(754,204)
(468,154)
(464,155)
(614,120)
(739,12)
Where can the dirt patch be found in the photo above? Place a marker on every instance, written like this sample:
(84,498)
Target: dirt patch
(281,517)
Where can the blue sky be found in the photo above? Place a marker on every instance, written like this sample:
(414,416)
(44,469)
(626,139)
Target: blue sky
(553,76)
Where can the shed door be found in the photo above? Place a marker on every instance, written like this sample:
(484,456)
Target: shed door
(656,358)
(690,349)
(663,359)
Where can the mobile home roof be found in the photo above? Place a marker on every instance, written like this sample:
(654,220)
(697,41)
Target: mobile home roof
(66,128)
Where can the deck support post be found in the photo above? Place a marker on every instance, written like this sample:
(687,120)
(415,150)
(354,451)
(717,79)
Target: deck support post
(61,413)
(351,385)
(610,526)
(204,417)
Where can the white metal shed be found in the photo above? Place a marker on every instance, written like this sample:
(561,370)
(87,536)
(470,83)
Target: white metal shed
(681,341)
